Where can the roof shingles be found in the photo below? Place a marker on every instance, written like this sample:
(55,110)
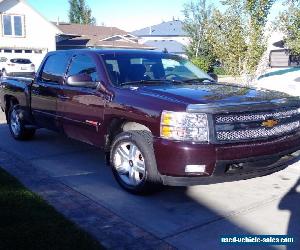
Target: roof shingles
(94,36)
(171,28)
(89,30)
(170,45)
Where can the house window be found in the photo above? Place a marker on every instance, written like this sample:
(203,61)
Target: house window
(18,51)
(28,51)
(13,25)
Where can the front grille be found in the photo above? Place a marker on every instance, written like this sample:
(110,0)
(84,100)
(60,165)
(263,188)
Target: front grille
(247,126)
(255,117)
(257,133)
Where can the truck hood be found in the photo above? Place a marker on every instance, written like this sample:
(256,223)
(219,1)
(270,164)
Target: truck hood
(219,94)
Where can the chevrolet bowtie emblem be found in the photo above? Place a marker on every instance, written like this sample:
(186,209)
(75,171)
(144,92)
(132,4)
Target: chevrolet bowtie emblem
(269,123)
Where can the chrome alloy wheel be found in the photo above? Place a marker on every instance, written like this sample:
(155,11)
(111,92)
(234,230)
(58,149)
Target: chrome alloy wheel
(15,122)
(129,163)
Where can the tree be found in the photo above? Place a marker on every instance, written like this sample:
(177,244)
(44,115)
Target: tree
(227,37)
(234,36)
(257,12)
(196,21)
(289,21)
(80,13)
(74,16)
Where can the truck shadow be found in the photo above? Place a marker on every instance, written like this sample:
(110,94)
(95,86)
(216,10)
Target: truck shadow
(291,202)
(184,220)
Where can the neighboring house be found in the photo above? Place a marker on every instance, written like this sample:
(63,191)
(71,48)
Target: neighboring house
(24,33)
(278,69)
(168,36)
(279,56)
(79,36)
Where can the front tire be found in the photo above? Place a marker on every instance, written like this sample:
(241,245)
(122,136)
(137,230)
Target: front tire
(17,125)
(133,162)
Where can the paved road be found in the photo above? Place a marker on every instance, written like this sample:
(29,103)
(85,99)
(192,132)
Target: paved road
(188,218)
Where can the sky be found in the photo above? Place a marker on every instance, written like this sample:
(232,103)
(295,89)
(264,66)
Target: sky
(128,15)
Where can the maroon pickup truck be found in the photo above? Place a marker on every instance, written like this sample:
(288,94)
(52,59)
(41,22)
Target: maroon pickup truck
(159,118)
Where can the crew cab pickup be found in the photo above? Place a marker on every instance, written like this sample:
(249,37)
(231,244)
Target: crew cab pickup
(158,117)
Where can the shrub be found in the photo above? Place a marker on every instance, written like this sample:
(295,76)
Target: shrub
(202,63)
(220,71)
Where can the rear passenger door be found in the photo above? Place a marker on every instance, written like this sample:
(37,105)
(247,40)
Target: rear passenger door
(47,88)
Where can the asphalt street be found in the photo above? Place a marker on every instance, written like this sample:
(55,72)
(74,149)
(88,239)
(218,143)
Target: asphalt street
(187,218)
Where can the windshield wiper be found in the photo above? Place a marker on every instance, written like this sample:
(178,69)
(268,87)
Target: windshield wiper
(199,80)
(149,81)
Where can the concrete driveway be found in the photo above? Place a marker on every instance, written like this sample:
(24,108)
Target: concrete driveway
(186,218)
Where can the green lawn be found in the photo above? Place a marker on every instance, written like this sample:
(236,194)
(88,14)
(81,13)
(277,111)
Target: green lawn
(28,222)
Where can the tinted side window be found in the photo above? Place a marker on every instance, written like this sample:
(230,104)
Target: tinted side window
(55,68)
(83,64)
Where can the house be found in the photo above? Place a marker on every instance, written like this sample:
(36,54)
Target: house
(168,36)
(24,32)
(78,36)
(279,55)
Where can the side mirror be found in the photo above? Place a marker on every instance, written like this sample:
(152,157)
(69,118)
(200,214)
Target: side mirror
(81,80)
(213,76)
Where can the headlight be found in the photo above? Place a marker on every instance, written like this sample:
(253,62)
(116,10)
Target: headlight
(184,126)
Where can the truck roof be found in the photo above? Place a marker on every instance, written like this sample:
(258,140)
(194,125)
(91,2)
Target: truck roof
(112,51)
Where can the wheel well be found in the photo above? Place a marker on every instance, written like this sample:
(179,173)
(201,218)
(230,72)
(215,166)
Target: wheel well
(118,126)
(129,126)
(9,101)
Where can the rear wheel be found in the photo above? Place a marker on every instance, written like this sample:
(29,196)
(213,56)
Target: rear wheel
(133,162)
(17,125)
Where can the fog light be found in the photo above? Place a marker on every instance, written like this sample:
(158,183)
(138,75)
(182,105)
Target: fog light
(195,169)
(234,167)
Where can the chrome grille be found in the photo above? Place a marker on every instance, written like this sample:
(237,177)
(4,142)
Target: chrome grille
(247,126)
(257,132)
(255,117)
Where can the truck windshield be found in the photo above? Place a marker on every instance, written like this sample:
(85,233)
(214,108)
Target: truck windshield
(126,69)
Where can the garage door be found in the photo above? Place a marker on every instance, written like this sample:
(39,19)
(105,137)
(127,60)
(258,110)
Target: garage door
(279,58)
(35,55)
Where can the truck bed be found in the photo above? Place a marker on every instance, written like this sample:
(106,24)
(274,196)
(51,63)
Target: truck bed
(16,87)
